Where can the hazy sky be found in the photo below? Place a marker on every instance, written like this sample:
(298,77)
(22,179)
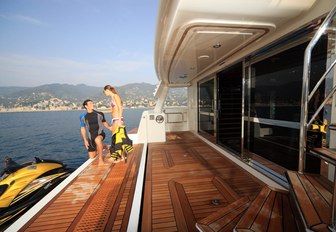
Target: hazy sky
(92,42)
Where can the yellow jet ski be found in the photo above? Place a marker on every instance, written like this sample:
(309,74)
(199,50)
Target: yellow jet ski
(23,185)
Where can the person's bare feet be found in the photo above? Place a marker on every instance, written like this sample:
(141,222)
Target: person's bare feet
(101,162)
(106,147)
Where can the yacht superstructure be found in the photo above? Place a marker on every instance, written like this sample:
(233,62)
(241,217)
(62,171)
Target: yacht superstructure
(253,149)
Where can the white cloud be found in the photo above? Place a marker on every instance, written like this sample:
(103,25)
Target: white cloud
(22,18)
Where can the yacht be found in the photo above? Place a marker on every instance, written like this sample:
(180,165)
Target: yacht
(253,149)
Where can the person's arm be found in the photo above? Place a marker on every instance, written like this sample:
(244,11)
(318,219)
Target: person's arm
(83,133)
(107,125)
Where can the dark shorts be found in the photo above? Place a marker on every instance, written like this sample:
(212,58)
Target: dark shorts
(92,144)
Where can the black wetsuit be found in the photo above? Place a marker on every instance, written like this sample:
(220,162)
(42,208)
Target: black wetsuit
(93,122)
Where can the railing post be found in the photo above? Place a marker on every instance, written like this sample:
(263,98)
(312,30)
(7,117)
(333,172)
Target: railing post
(304,109)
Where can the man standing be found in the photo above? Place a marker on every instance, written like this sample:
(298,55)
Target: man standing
(92,131)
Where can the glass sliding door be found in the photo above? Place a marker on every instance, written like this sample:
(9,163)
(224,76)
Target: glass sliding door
(230,108)
(206,108)
(274,105)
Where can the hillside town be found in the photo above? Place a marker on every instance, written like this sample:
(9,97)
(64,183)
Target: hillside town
(60,97)
(56,104)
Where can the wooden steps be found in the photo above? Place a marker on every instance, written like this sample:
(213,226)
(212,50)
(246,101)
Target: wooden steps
(270,211)
(184,214)
(324,153)
(313,201)
(226,218)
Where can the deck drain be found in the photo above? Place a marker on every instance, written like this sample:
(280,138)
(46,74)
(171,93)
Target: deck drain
(215,202)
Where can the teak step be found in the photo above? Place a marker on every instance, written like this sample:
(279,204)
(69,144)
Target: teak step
(270,211)
(226,218)
(326,153)
(312,200)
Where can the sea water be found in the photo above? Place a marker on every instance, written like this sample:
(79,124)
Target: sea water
(50,135)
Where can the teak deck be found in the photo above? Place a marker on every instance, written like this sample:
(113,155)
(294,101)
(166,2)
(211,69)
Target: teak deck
(99,199)
(314,200)
(186,181)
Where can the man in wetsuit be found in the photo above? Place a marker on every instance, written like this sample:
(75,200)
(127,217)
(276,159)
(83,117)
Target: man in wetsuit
(92,123)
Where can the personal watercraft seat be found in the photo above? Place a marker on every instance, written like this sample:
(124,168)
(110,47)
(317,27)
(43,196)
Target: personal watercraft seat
(11,166)
(38,160)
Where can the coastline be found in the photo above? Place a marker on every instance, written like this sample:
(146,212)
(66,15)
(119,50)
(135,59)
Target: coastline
(60,110)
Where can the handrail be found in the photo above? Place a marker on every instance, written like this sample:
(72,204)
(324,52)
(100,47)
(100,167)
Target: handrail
(326,99)
(306,97)
(321,106)
(320,81)
(305,88)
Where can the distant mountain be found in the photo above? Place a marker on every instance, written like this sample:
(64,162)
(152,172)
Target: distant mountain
(130,91)
(10,89)
(64,91)
(134,94)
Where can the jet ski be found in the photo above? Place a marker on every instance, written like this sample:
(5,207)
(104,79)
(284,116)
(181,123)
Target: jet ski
(23,185)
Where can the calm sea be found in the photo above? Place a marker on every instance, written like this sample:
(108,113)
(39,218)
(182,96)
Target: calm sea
(50,135)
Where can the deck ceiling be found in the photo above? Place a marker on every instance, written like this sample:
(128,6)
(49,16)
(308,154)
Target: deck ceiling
(205,46)
(194,36)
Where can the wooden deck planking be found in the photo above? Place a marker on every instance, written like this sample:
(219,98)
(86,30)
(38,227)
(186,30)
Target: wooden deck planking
(183,177)
(99,198)
(190,174)
(313,200)
(226,218)
(270,211)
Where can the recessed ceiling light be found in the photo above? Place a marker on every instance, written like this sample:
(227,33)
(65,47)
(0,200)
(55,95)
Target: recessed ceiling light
(217,45)
(225,32)
(203,57)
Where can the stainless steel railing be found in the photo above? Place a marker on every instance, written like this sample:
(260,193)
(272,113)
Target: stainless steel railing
(306,97)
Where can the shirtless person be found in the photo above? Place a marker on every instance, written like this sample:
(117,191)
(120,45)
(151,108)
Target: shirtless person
(92,131)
